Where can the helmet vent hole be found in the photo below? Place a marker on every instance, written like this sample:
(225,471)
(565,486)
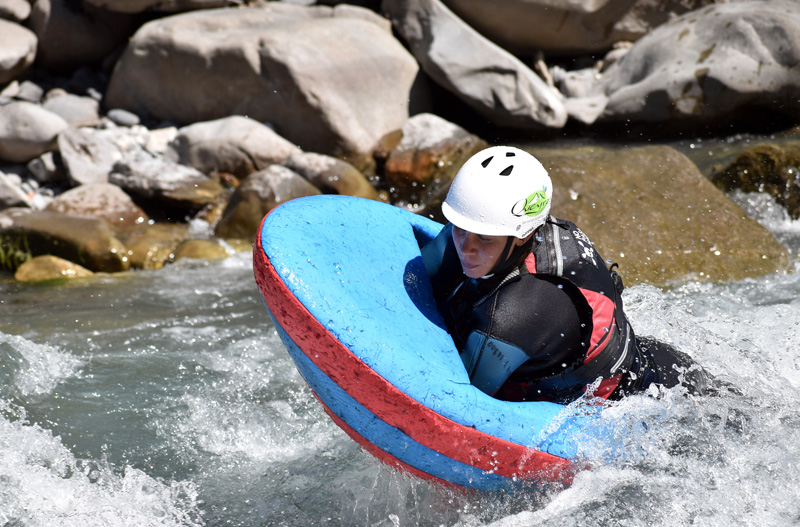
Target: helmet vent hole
(487,161)
(507,170)
(510,154)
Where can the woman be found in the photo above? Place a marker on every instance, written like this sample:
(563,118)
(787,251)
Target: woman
(530,304)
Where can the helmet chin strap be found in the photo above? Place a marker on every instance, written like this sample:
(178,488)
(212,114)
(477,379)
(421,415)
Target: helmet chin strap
(513,256)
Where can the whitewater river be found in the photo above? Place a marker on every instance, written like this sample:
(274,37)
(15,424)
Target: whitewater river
(165,398)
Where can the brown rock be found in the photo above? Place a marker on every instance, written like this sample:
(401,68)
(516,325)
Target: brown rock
(419,169)
(153,246)
(331,175)
(203,250)
(256,196)
(48,267)
(85,241)
(652,211)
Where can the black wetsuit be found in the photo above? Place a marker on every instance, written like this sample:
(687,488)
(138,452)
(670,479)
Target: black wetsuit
(548,323)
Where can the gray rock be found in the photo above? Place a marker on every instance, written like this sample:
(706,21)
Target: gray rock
(27,131)
(236,145)
(24,91)
(256,196)
(123,117)
(166,183)
(15,10)
(328,83)
(489,79)
(100,200)
(525,27)
(17,50)
(77,110)
(708,65)
(88,155)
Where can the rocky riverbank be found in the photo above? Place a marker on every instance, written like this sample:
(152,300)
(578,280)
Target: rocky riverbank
(134,133)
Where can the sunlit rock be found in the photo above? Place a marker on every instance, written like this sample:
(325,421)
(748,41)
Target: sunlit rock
(203,250)
(567,28)
(48,267)
(486,77)
(331,175)
(652,211)
(15,10)
(326,79)
(419,169)
(100,200)
(77,110)
(165,189)
(88,242)
(707,67)
(11,193)
(236,145)
(27,131)
(256,196)
(17,50)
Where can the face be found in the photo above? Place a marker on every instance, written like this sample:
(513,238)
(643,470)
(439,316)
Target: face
(478,253)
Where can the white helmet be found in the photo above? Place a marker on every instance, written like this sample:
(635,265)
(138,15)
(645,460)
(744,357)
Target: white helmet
(500,191)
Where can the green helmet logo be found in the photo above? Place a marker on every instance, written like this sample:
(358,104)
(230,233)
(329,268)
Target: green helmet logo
(532,205)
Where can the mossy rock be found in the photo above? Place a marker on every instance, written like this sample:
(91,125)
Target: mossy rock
(773,169)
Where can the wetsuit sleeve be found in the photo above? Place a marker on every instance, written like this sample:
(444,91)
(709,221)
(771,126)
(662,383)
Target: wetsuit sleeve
(489,362)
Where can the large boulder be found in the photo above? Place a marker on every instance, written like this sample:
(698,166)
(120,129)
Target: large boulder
(567,28)
(236,145)
(88,242)
(652,211)
(17,50)
(27,131)
(326,79)
(704,67)
(489,79)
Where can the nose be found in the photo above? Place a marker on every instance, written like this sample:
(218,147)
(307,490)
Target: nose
(468,245)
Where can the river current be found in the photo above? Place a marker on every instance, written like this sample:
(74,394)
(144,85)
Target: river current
(165,398)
